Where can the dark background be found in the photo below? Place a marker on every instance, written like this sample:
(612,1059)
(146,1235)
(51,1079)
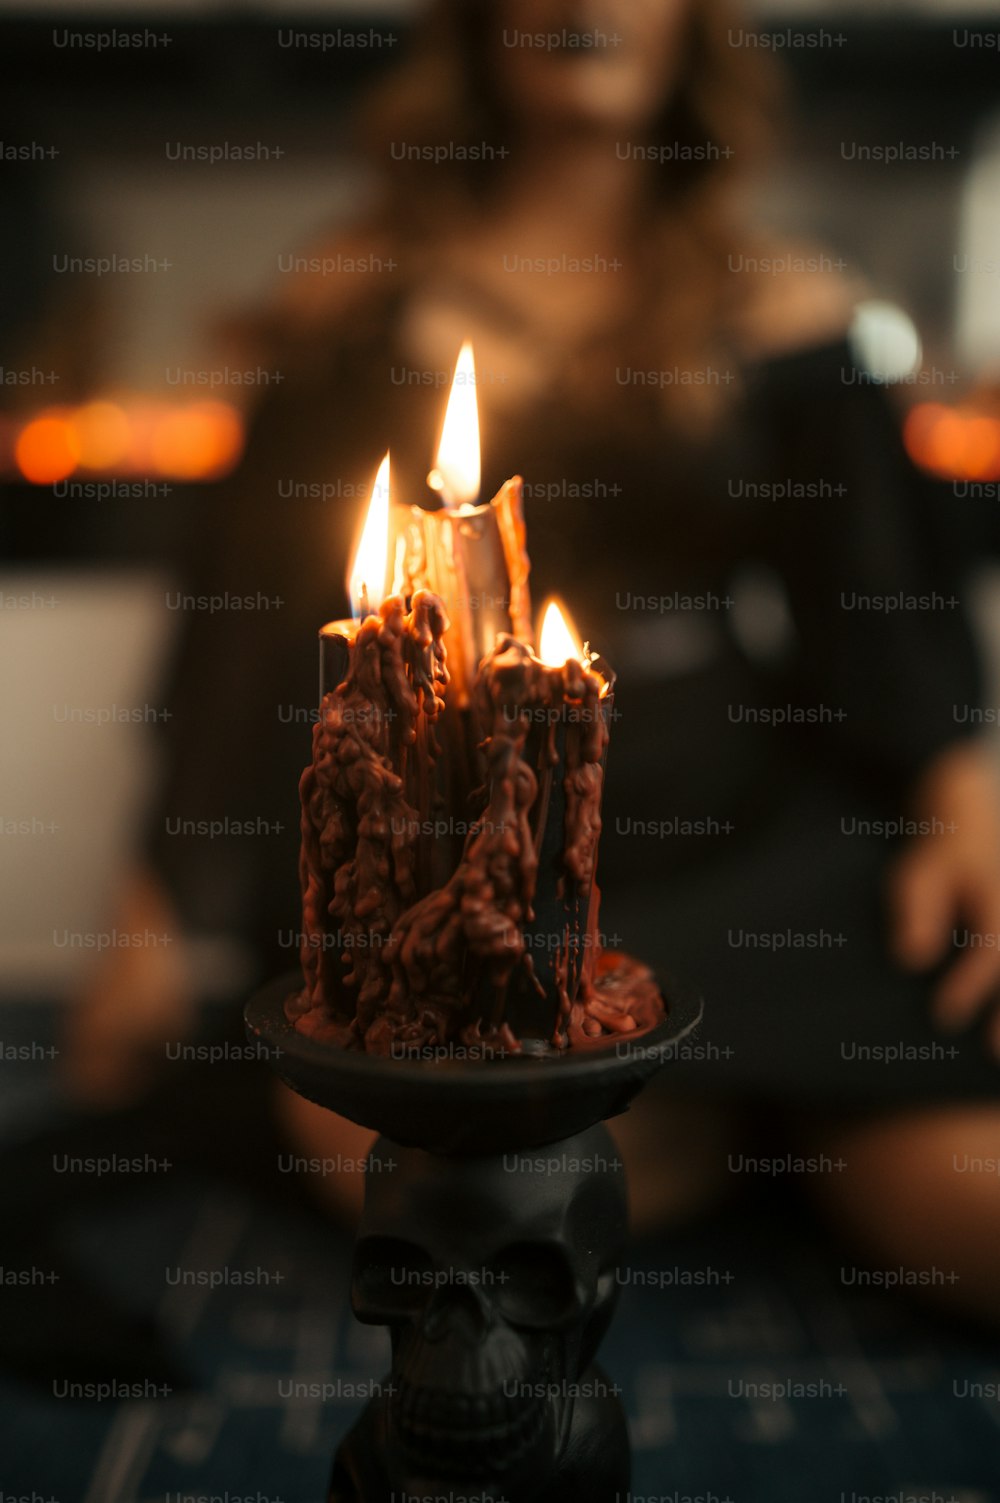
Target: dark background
(898,76)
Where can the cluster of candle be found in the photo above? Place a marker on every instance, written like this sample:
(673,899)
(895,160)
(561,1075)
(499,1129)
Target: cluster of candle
(451,811)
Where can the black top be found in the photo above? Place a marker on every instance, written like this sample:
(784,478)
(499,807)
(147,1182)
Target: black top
(650,542)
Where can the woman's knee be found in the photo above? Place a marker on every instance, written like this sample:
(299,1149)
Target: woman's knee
(918,1192)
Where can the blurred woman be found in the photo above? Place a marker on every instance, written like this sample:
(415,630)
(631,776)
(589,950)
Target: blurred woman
(721,495)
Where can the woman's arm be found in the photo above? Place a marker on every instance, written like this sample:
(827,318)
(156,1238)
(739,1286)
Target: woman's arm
(874,570)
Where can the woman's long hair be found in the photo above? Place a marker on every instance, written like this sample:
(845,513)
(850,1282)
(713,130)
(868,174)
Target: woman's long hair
(449,91)
(717,123)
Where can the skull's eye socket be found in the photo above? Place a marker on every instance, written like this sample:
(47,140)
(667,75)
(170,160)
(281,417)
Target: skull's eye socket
(392,1278)
(534,1285)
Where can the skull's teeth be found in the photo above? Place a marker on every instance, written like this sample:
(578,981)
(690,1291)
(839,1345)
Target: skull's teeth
(485,1432)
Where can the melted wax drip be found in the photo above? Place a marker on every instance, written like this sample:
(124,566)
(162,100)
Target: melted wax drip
(434,968)
(359,831)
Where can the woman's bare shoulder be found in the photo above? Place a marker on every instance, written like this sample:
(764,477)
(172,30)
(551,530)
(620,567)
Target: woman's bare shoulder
(796,295)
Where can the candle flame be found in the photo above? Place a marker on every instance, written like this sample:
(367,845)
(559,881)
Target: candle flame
(456,473)
(558,639)
(366,580)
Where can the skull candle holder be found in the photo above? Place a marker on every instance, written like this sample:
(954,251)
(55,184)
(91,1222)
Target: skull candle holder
(494,1220)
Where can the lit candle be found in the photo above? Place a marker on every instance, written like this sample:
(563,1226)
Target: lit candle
(472,555)
(557,640)
(366,586)
(427,915)
(581,738)
(566,749)
(369,799)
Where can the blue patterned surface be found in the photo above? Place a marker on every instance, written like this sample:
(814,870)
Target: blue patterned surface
(885,1419)
(753,1297)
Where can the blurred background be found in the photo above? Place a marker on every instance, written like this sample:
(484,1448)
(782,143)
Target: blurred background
(119,414)
(110,431)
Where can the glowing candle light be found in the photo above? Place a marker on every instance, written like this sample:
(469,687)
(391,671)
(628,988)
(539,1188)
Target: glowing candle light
(366,586)
(457,468)
(472,555)
(366,581)
(558,641)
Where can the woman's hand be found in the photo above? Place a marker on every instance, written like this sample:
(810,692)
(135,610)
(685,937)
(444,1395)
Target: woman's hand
(948,880)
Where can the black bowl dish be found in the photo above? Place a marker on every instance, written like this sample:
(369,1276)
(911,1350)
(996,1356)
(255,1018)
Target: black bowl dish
(467,1105)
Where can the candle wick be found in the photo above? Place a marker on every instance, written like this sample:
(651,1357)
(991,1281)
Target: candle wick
(437,482)
(365,607)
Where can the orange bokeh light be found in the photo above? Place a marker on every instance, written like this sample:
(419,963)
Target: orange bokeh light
(982,448)
(952,442)
(918,431)
(102,434)
(47,449)
(197,443)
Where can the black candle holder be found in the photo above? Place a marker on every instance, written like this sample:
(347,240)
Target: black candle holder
(494,1221)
